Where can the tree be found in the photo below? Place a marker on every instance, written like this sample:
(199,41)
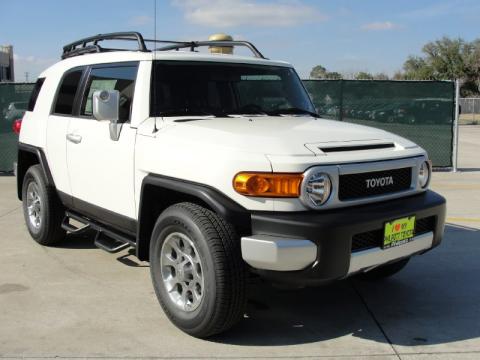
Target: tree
(318,72)
(333,75)
(446,59)
(362,75)
(381,76)
(472,63)
(443,59)
(416,68)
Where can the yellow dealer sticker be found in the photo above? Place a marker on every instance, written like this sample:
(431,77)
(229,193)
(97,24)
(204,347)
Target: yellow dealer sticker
(399,232)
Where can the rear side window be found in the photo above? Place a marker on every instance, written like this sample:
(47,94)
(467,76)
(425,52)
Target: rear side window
(34,95)
(121,78)
(68,90)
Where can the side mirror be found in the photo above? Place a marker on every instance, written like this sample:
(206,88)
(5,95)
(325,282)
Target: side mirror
(106,104)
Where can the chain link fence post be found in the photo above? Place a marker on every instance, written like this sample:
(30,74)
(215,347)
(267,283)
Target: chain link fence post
(455,126)
(474,109)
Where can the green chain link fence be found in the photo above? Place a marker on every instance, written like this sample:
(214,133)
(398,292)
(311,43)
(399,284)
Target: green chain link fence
(13,104)
(421,111)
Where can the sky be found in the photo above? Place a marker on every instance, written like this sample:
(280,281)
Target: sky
(347,36)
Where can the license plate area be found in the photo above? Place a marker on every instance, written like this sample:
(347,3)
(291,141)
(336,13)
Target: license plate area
(398,232)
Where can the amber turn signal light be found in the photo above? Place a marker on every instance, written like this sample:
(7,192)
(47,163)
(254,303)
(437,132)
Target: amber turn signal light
(268,184)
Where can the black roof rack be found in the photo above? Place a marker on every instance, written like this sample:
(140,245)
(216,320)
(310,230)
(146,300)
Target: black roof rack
(90,44)
(195,44)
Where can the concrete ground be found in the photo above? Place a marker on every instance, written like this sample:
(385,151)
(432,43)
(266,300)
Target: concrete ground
(75,300)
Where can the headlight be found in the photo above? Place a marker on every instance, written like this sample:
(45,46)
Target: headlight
(318,188)
(424,174)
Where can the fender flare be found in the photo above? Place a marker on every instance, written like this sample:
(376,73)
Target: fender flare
(213,198)
(22,168)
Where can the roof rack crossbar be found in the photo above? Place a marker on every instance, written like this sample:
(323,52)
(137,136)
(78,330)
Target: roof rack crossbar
(195,44)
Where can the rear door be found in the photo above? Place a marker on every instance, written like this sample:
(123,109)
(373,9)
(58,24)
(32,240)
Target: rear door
(101,170)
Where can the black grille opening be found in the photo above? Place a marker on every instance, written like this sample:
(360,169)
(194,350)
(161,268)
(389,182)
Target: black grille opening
(367,240)
(356,186)
(425,225)
(374,238)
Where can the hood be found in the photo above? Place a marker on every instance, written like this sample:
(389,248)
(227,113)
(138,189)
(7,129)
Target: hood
(279,135)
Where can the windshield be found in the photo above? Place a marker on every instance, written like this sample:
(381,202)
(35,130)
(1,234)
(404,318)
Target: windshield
(221,89)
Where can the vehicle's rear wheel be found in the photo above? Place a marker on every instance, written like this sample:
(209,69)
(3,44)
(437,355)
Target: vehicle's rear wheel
(197,270)
(384,271)
(42,211)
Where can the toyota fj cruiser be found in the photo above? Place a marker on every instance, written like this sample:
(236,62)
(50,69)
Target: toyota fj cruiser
(213,166)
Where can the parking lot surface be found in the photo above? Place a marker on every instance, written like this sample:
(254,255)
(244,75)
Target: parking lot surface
(75,300)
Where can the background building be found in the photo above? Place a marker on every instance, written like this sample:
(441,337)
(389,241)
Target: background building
(6,63)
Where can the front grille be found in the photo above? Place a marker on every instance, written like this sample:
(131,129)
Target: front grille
(361,185)
(374,238)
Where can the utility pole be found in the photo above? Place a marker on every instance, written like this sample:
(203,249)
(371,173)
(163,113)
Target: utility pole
(26,76)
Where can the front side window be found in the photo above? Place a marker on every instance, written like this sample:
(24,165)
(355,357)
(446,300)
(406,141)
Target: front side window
(121,78)
(67,92)
(212,88)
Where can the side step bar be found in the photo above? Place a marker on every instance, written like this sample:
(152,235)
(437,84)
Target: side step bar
(109,244)
(105,238)
(72,229)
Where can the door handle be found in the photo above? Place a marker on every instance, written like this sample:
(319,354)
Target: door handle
(74,138)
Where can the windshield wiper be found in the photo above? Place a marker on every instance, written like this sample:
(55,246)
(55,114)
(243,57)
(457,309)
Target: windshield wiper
(249,109)
(293,111)
(187,112)
(184,112)
(248,113)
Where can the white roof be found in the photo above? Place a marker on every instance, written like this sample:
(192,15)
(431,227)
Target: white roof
(124,56)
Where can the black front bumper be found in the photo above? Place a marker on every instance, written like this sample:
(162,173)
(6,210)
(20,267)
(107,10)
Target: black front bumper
(332,231)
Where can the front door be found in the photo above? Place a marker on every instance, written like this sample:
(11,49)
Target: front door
(101,170)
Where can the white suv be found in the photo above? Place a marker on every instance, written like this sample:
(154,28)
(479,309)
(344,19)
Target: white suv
(214,166)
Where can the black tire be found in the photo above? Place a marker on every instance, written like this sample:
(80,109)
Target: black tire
(49,230)
(223,270)
(384,271)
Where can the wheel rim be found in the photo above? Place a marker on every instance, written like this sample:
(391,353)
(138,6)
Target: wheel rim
(34,206)
(182,271)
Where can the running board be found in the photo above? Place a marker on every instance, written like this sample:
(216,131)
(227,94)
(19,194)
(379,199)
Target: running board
(72,229)
(106,239)
(109,244)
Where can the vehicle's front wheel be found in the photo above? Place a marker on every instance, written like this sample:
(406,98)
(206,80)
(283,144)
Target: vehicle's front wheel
(197,270)
(384,271)
(41,208)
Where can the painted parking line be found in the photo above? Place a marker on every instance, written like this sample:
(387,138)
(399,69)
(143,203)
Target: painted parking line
(457,186)
(462,219)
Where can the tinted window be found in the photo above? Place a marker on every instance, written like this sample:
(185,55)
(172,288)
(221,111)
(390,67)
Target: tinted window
(196,88)
(67,92)
(121,78)
(34,95)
